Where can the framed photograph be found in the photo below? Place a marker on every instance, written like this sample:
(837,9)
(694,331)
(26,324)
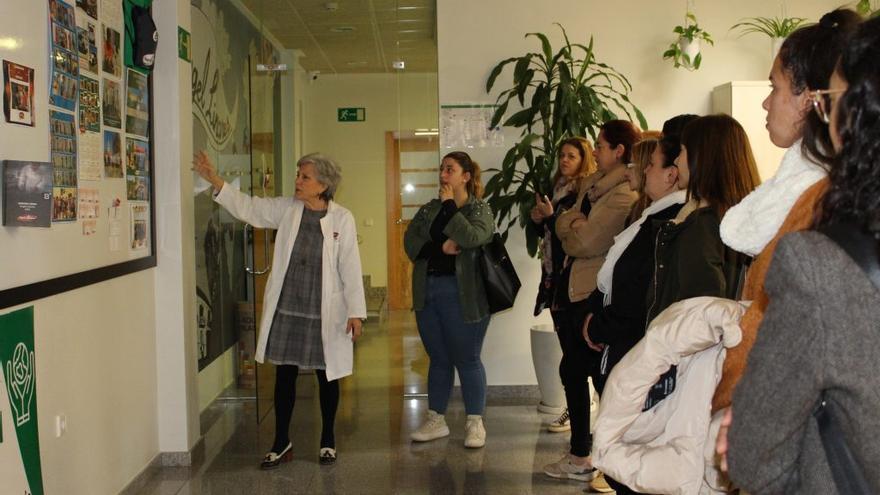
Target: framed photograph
(137,104)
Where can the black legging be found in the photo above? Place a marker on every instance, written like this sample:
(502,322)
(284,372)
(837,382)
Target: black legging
(285,396)
(578,363)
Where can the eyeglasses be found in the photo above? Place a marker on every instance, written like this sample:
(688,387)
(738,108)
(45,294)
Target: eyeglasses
(822,102)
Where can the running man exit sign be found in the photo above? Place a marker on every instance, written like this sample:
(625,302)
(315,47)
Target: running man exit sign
(351,114)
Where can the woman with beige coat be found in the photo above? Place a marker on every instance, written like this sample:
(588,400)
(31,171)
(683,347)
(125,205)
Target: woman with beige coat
(587,232)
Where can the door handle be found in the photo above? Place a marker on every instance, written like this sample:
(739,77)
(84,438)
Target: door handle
(249,269)
(400,221)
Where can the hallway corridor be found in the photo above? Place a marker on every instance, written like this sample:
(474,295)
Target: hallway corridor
(372,432)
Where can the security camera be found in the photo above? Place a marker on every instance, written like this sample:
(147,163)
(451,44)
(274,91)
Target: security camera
(313,75)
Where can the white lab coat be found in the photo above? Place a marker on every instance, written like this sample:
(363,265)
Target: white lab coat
(342,287)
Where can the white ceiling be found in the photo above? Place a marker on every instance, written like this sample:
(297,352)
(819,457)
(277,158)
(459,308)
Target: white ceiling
(376,33)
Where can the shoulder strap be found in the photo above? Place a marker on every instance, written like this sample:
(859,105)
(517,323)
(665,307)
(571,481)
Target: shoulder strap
(861,247)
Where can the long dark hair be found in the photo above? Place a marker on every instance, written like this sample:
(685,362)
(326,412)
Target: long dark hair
(623,132)
(720,160)
(475,185)
(808,57)
(854,194)
(670,142)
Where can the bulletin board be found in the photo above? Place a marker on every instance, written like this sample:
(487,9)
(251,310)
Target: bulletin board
(88,120)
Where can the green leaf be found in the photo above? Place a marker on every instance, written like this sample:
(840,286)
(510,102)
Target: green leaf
(697,60)
(520,68)
(521,118)
(496,71)
(545,44)
(499,113)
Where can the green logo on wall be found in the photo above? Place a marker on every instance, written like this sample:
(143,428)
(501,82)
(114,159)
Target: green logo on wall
(351,114)
(19,406)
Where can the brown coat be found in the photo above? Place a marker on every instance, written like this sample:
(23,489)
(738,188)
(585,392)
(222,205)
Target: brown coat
(799,218)
(587,244)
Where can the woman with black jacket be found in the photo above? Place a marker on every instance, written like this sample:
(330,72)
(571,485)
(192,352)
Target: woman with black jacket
(615,324)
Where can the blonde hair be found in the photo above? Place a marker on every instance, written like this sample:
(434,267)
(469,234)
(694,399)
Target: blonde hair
(588,162)
(641,158)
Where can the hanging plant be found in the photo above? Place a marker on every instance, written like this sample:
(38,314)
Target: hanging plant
(685,50)
(773,27)
(865,8)
(563,94)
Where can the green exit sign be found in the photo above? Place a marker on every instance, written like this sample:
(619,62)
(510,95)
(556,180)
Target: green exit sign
(351,114)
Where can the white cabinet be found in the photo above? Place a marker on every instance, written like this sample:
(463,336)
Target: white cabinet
(742,101)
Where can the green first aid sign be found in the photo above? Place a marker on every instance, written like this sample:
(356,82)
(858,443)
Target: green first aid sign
(351,114)
(20,469)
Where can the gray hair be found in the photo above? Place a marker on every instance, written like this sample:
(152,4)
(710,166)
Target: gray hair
(329,173)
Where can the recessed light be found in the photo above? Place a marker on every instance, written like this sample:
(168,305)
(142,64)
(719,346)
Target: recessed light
(342,29)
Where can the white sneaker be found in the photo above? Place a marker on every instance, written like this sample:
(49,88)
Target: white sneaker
(475,433)
(433,428)
(560,424)
(566,470)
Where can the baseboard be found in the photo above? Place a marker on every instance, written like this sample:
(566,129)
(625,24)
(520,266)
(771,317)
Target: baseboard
(137,484)
(166,459)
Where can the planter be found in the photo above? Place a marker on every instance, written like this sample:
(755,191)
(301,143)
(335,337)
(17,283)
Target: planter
(775,45)
(546,355)
(691,48)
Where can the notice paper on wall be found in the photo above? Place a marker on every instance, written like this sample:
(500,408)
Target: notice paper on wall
(90,166)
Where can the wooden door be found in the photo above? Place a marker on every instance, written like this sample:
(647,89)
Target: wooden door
(412,179)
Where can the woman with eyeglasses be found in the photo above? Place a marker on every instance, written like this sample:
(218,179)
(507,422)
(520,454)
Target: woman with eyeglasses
(819,337)
(787,202)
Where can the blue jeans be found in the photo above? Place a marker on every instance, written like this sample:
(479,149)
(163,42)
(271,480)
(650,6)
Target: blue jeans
(450,342)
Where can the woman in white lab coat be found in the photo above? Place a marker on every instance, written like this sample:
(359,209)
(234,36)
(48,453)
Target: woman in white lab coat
(314,303)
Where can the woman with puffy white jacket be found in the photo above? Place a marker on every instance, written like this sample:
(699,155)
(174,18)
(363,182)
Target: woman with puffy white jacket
(314,301)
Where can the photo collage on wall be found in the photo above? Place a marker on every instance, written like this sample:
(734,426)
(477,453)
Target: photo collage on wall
(99,120)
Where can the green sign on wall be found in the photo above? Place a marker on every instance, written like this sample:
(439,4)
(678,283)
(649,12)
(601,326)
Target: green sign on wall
(20,450)
(184,48)
(351,114)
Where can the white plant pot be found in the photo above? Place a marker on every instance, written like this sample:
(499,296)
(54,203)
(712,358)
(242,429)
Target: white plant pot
(689,48)
(546,355)
(775,45)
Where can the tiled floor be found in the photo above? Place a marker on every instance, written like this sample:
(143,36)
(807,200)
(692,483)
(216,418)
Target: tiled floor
(372,430)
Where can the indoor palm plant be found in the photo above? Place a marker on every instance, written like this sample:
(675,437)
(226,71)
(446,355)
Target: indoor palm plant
(865,8)
(685,50)
(562,94)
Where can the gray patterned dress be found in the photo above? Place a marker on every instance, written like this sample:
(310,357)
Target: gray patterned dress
(295,334)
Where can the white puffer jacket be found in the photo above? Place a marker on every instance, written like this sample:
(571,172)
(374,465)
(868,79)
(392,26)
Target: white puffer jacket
(668,449)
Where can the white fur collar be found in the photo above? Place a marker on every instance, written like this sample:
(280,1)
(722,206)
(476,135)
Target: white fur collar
(752,224)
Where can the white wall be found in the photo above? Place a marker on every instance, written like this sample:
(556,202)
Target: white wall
(96,365)
(393,102)
(630,35)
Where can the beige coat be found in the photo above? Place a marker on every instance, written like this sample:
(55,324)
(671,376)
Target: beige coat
(588,243)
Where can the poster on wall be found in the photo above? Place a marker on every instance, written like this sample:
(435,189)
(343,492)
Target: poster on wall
(111,107)
(63,151)
(137,169)
(89,155)
(140,226)
(86,47)
(64,60)
(110,60)
(112,155)
(89,113)
(89,7)
(18,93)
(27,194)
(20,446)
(137,104)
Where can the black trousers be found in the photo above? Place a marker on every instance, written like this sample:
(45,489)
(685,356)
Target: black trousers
(579,362)
(285,397)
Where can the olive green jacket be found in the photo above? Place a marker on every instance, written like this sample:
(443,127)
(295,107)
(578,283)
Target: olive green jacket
(470,227)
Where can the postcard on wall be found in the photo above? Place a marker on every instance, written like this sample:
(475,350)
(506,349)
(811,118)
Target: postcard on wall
(90,7)
(18,93)
(63,149)
(140,226)
(86,47)
(137,188)
(137,157)
(90,227)
(137,104)
(111,62)
(27,194)
(89,203)
(111,106)
(90,167)
(112,155)
(89,113)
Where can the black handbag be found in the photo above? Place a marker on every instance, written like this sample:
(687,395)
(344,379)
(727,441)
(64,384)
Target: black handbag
(499,277)
(849,478)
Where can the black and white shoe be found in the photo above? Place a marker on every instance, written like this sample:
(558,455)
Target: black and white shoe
(327,456)
(272,460)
